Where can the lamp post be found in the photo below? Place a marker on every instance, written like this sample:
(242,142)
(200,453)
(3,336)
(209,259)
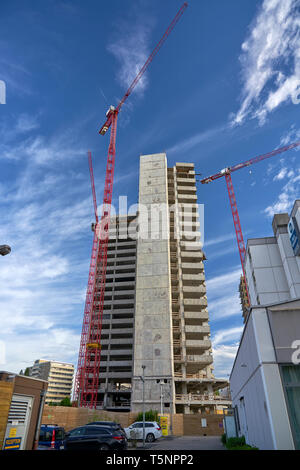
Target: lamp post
(5,250)
(161,383)
(143,378)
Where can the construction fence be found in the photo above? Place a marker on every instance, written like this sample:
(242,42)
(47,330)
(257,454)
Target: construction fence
(178,424)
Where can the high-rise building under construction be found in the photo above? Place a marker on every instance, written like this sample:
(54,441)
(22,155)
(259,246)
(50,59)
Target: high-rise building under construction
(156,346)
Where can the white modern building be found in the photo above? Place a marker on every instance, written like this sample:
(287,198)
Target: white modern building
(272,264)
(265,379)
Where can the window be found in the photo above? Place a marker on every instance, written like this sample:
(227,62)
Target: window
(91,430)
(237,419)
(77,432)
(291,383)
(59,434)
(45,436)
(149,425)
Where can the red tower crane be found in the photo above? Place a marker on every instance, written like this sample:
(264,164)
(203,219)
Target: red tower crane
(236,220)
(87,378)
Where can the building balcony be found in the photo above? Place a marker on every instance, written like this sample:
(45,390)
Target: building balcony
(192,268)
(119,352)
(119,375)
(195,304)
(113,341)
(200,316)
(203,330)
(191,256)
(198,344)
(186,181)
(121,363)
(194,277)
(187,198)
(203,359)
(190,292)
(205,399)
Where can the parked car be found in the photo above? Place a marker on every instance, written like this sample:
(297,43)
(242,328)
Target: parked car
(51,437)
(152,431)
(93,437)
(110,425)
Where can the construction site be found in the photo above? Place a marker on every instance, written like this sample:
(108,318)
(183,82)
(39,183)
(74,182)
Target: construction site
(147,342)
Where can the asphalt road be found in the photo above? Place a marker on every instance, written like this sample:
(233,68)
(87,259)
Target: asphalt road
(186,443)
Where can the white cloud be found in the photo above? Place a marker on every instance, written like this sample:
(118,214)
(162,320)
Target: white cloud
(223,280)
(225,344)
(282,173)
(191,142)
(44,213)
(220,239)
(289,192)
(131,48)
(270,60)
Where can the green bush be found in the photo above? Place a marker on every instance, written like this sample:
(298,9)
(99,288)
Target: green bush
(245,447)
(235,442)
(150,415)
(223,438)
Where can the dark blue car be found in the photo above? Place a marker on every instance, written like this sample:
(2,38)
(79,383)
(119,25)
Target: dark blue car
(51,437)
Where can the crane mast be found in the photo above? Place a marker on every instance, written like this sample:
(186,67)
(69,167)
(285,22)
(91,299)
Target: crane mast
(88,369)
(226,172)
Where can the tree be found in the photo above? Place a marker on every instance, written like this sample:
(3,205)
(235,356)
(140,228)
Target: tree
(65,402)
(151,415)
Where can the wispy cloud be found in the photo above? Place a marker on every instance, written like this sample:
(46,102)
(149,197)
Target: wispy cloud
(45,218)
(191,142)
(225,344)
(289,192)
(130,45)
(220,239)
(287,172)
(270,60)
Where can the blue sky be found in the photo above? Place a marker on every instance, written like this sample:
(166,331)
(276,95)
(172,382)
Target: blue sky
(223,88)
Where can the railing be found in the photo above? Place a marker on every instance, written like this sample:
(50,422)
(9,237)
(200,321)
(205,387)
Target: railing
(198,397)
(123,404)
(178,358)
(121,389)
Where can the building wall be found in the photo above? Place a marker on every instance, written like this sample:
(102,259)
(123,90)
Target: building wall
(256,388)
(272,269)
(6,391)
(59,376)
(116,367)
(153,320)
(265,272)
(172,332)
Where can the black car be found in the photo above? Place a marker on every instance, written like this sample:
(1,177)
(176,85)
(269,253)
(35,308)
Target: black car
(92,437)
(109,424)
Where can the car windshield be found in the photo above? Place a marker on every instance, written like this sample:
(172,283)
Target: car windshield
(96,430)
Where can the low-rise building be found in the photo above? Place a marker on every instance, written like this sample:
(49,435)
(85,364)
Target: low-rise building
(265,379)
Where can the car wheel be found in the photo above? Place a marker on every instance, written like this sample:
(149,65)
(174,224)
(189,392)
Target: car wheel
(150,437)
(104,447)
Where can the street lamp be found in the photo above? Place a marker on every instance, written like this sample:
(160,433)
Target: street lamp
(161,383)
(143,380)
(5,250)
